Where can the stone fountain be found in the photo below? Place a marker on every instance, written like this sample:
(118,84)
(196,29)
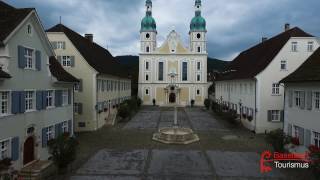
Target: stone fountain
(175,134)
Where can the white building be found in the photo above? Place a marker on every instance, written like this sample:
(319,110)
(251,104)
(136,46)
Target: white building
(172,73)
(103,82)
(250,84)
(302,102)
(36,93)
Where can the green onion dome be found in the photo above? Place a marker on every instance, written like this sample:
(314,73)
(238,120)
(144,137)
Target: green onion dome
(148,23)
(198,23)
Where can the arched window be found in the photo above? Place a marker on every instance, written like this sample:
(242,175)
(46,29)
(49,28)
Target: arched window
(199,49)
(148,49)
(147,77)
(147,91)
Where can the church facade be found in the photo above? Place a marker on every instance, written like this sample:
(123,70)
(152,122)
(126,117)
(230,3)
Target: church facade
(173,74)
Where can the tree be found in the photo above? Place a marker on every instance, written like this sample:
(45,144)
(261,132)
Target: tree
(124,111)
(63,150)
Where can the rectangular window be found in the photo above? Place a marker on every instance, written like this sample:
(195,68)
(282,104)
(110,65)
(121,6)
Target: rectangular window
(29,100)
(147,65)
(317,100)
(316,139)
(283,65)
(4,149)
(65,98)
(65,127)
(76,108)
(4,103)
(198,92)
(184,71)
(60,45)
(275,89)
(76,87)
(294,46)
(160,71)
(198,66)
(310,46)
(297,98)
(50,98)
(198,77)
(28,54)
(66,61)
(296,132)
(275,115)
(50,133)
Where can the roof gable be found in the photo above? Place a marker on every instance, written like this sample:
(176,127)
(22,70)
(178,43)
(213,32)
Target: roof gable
(173,44)
(251,62)
(96,56)
(308,71)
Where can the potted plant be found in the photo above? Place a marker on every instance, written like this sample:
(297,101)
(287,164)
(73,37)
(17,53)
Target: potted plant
(154,102)
(192,102)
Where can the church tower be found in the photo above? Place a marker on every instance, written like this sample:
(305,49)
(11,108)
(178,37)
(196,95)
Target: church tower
(148,31)
(198,31)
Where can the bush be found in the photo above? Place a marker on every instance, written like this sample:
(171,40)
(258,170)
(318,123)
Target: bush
(277,139)
(207,103)
(192,102)
(133,104)
(315,160)
(295,141)
(124,111)
(139,102)
(63,150)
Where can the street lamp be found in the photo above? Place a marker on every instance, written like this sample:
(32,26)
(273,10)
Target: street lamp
(240,108)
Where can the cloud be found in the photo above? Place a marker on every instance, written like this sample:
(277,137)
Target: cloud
(232,25)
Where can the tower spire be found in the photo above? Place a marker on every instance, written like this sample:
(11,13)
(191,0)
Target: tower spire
(198,7)
(149,7)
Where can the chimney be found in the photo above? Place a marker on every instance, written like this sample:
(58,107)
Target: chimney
(89,37)
(286,27)
(263,39)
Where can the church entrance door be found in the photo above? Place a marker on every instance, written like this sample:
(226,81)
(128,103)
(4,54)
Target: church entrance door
(172,98)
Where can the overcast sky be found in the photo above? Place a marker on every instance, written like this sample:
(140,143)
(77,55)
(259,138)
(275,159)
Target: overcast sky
(233,25)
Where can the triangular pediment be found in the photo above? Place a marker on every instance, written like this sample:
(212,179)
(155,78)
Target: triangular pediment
(172,45)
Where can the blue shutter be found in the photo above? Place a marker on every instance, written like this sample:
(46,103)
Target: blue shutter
(39,100)
(15,105)
(21,58)
(38,60)
(70,130)
(44,99)
(22,102)
(57,130)
(15,148)
(58,98)
(44,137)
(69,96)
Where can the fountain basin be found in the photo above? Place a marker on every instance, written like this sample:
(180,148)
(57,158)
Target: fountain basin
(175,135)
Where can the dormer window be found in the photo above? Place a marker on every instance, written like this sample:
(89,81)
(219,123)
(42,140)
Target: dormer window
(29,29)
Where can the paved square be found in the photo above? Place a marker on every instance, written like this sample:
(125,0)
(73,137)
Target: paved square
(239,164)
(147,119)
(178,163)
(115,162)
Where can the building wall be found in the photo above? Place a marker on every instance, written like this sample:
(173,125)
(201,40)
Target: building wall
(273,74)
(302,117)
(172,63)
(16,125)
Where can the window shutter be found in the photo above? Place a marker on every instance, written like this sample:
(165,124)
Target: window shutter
(301,135)
(15,148)
(309,100)
(44,99)
(281,116)
(15,105)
(44,137)
(79,108)
(290,98)
(69,96)
(70,130)
(38,60)
(21,58)
(22,102)
(59,59)
(54,44)
(303,100)
(269,115)
(58,98)
(80,85)
(57,130)
(307,140)
(72,61)
(289,129)
(64,45)
(39,100)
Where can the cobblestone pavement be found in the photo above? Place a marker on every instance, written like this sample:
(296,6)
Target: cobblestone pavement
(222,153)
